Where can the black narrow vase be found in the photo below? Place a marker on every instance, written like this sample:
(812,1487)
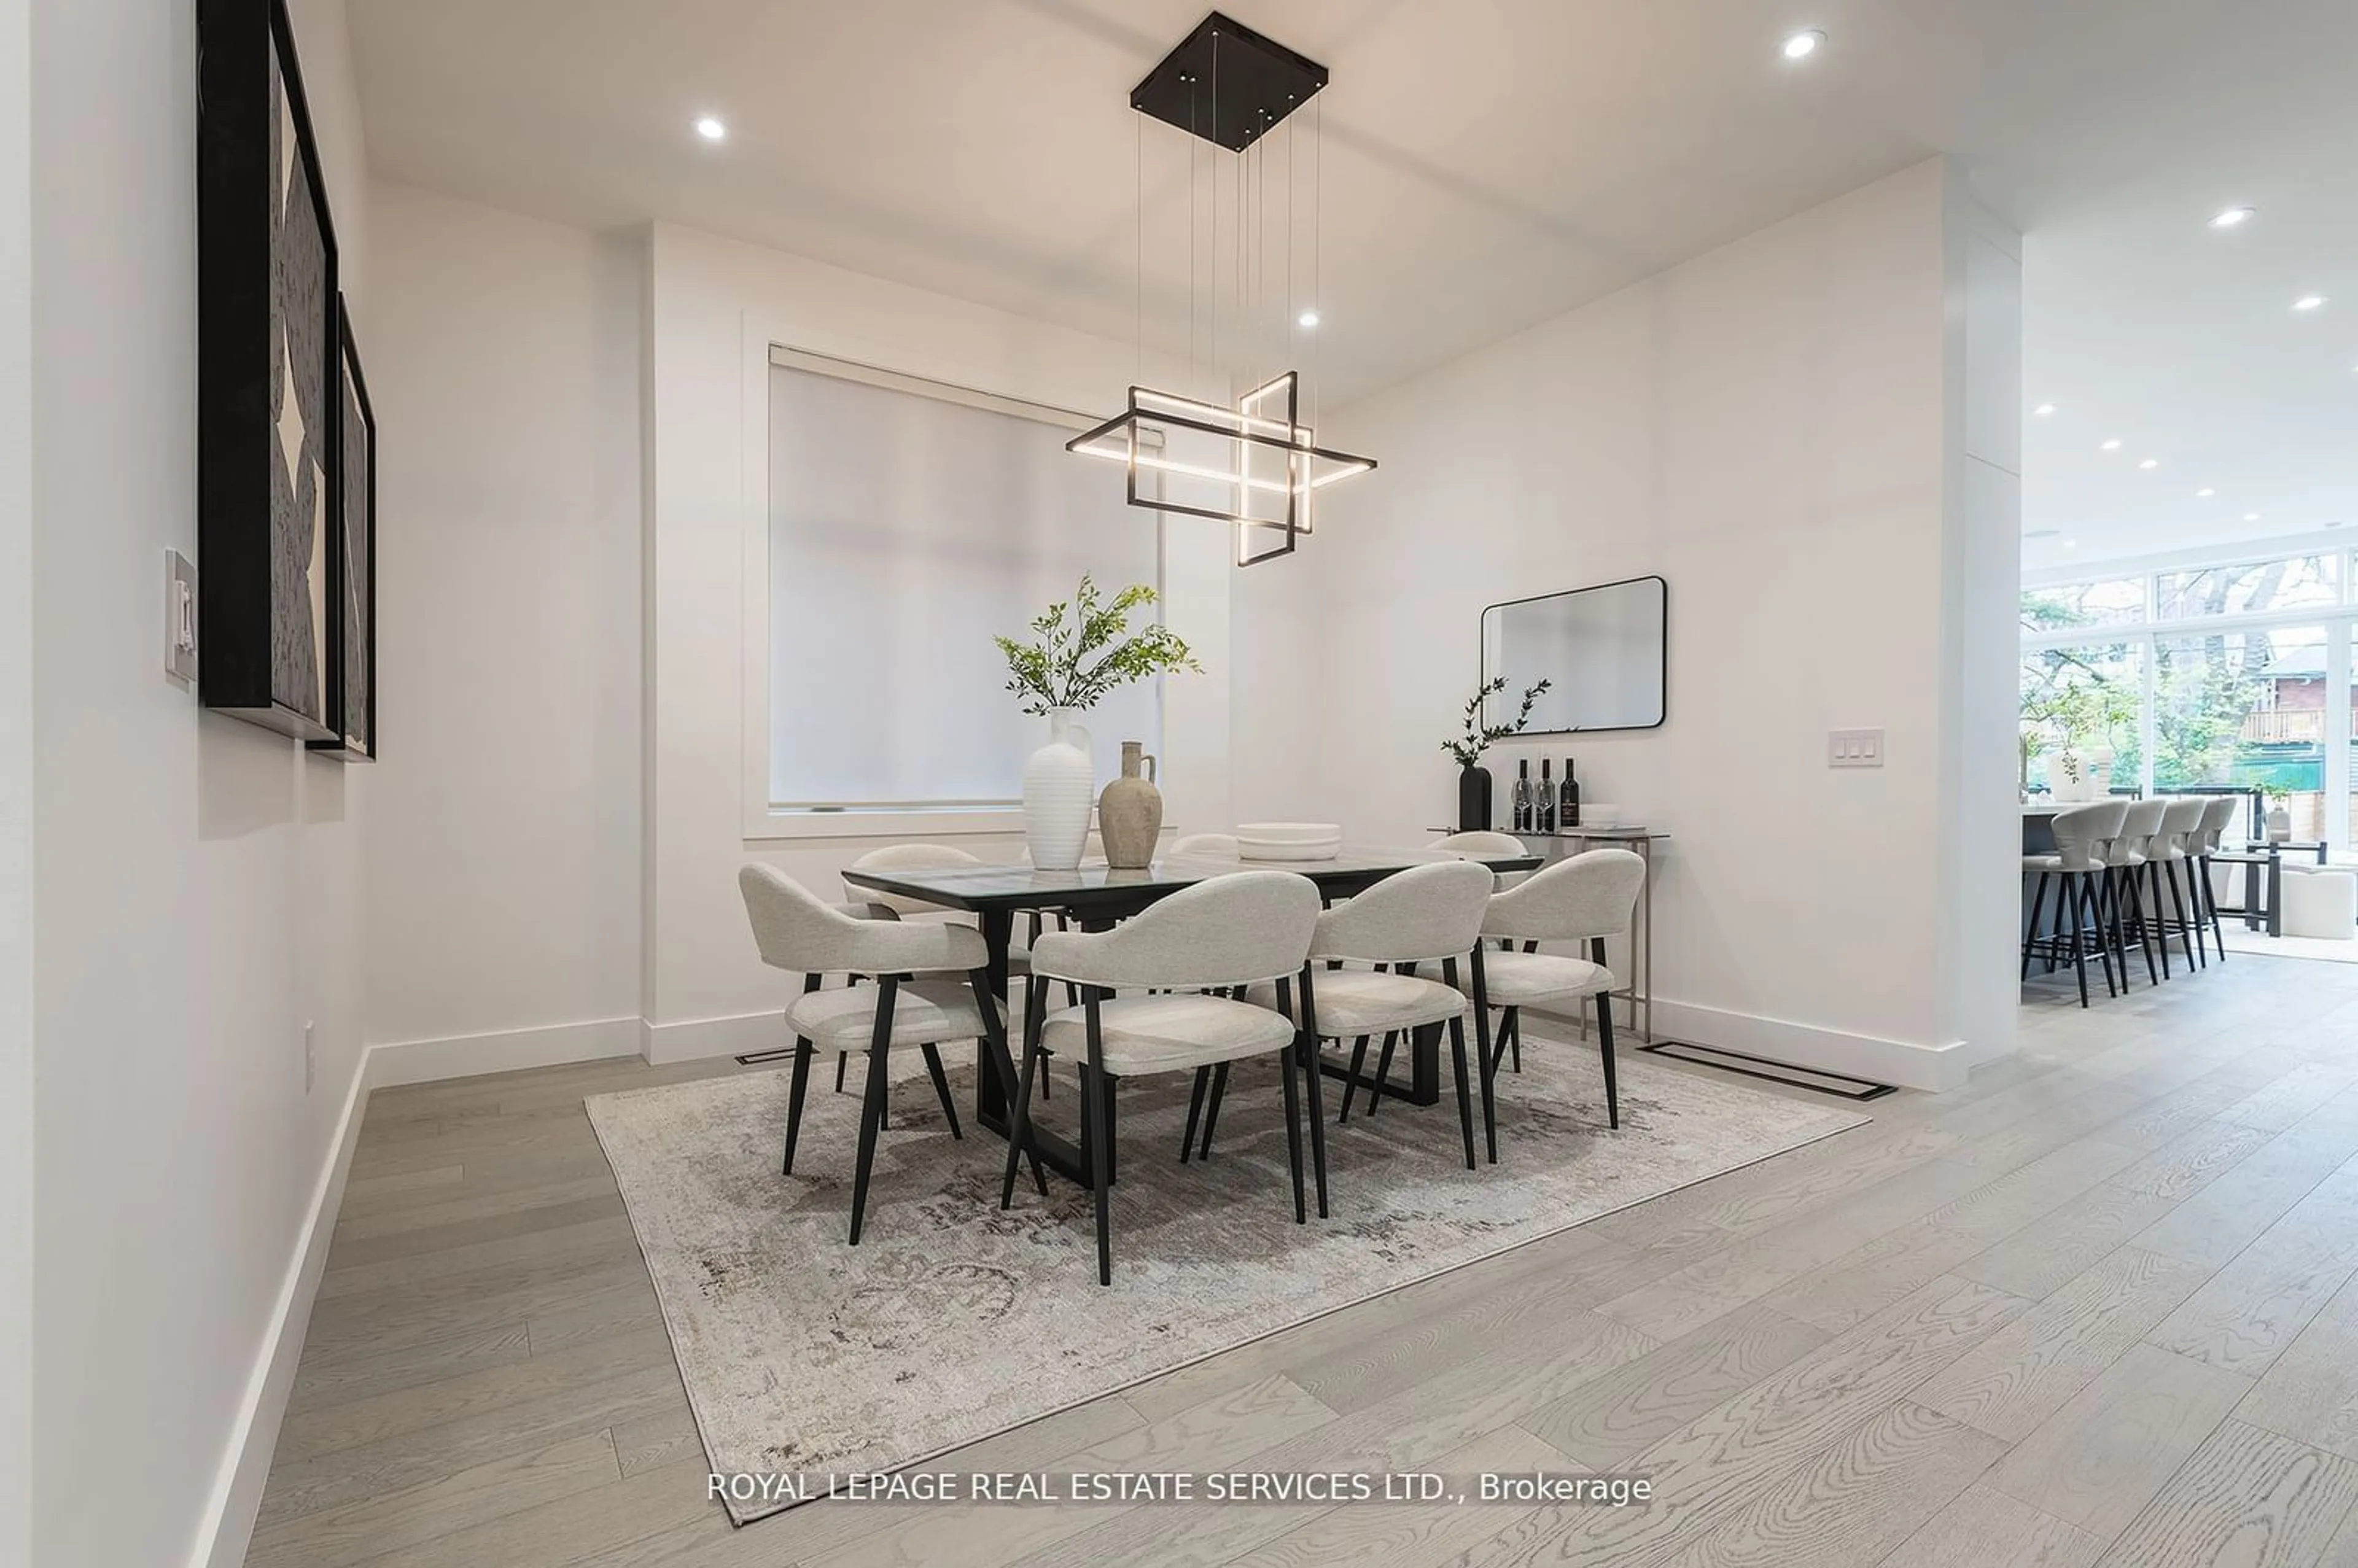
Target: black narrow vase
(1474,800)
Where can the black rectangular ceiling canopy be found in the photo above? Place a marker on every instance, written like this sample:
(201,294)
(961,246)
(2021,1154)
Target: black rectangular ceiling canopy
(1227,84)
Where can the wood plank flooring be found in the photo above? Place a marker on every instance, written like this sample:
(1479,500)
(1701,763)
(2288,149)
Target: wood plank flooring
(2097,1308)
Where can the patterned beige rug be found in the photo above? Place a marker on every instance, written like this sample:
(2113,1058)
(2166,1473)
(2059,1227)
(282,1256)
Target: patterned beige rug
(952,1321)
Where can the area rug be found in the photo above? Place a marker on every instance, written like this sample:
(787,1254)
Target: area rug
(951,1320)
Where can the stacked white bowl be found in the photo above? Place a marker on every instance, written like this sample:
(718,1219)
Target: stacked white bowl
(1289,840)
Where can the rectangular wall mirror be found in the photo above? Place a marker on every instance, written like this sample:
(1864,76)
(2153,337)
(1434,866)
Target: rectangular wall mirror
(1603,648)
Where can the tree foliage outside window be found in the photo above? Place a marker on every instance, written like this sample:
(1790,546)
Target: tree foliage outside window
(2082,699)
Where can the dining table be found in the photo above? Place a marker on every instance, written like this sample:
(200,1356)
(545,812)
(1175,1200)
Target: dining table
(1096,897)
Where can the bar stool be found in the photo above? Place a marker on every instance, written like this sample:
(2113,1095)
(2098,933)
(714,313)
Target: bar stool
(2128,857)
(2173,851)
(2218,816)
(2079,868)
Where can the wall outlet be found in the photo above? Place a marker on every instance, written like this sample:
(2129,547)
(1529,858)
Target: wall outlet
(310,1054)
(1855,749)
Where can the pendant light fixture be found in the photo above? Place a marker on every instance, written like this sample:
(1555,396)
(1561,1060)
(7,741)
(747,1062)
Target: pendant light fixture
(1253,462)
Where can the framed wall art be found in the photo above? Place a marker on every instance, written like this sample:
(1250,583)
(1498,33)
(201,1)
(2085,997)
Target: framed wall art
(269,366)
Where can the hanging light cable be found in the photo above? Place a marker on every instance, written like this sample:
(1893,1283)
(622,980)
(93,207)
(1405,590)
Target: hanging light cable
(1253,462)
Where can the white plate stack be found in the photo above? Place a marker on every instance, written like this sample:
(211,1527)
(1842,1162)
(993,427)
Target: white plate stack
(1289,840)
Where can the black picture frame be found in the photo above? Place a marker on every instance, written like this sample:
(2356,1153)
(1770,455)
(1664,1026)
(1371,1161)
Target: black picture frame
(1662,656)
(268,367)
(351,627)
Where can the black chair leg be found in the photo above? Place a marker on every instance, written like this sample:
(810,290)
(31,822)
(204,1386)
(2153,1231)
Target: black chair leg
(1510,1025)
(2144,929)
(872,1106)
(2038,906)
(2211,905)
(1194,1110)
(2178,908)
(1285,1065)
(1465,1100)
(1604,1045)
(1351,1084)
(1212,1108)
(1099,1136)
(2079,950)
(941,1087)
(1383,1069)
(1317,1109)
(2104,948)
(2160,930)
(1315,1091)
(795,1103)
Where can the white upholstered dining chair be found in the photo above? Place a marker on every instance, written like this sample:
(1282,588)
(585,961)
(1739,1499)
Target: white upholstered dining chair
(1427,916)
(1480,842)
(1582,898)
(1222,935)
(930,987)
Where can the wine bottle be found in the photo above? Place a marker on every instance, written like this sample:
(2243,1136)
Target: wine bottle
(1544,806)
(1568,810)
(1522,818)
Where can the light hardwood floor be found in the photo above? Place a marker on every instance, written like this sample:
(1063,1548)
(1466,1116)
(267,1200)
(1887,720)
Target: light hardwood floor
(2098,1306)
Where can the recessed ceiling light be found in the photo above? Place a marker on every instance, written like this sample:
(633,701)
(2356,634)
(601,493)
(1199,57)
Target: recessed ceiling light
(2250,516)
(2112,446)
(2151,463)
(2232,217)
(2205,493)
(2071,544)
(2043,532)
(2044,409)
(1307,318)
(711,129)
(1804,44)
(2308,302)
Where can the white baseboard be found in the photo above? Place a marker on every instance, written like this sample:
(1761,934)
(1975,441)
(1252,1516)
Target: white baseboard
(1868,1057)
(690,1039)
(228,1524)
(503,1051)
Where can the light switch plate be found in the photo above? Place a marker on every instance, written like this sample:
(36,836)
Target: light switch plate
(179,616)
(1855,749)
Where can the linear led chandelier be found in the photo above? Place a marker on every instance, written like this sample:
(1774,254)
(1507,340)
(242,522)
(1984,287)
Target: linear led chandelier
(1256,463)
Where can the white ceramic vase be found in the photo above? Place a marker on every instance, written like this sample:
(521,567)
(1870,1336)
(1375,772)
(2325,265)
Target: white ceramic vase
(1059,786)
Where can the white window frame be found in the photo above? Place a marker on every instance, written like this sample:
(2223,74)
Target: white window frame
(763,820)
(2339,619)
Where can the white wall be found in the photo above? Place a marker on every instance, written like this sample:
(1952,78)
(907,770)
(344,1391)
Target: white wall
(716,305)
(195,879)
(502,840)
(1768,427)
(15,793)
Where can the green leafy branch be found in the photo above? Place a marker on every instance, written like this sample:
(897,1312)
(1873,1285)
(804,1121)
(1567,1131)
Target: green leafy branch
(1478,735)
(1085,650)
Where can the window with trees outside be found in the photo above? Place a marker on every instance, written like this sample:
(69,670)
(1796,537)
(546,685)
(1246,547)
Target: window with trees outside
(2203,677)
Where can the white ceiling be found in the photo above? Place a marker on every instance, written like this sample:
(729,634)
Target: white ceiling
(1488,164)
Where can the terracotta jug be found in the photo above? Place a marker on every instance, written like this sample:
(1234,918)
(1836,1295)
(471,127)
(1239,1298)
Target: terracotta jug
(1129,813)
